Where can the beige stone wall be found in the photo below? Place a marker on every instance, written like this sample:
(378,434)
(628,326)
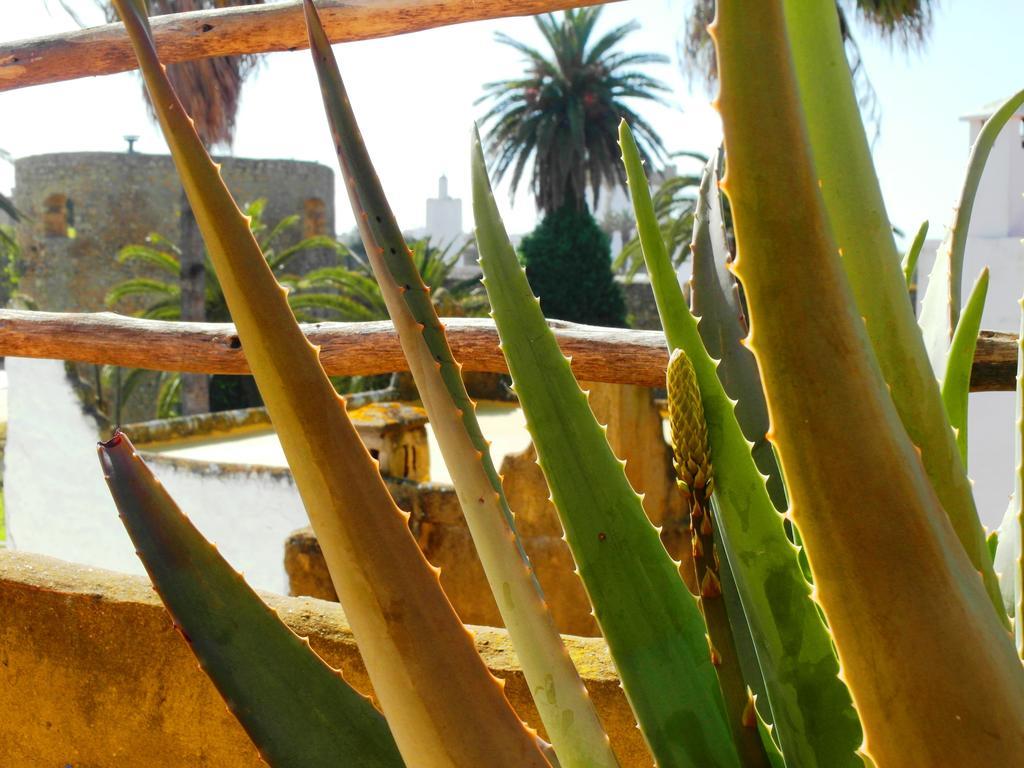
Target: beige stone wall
(435,517)
(81,208)
(92,674)
(118,199)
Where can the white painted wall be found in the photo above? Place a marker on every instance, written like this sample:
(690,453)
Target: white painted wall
(444,216)
(247,515)
(994,240)
(57,502)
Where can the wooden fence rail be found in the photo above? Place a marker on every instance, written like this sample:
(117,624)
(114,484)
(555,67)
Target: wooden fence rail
(350,349)
(105,50)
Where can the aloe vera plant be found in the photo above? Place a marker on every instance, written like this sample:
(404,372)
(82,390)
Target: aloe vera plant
(956,383)
(913,667)
(891,651)
(841,154)
(571,721)
(813,713)
(443,705)
(653,628)
(696,479)
(292,704)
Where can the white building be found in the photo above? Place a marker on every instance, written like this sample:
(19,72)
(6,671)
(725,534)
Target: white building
(994,240)
(444,216)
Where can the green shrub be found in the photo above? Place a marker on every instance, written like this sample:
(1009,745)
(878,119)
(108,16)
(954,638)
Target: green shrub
(568,261)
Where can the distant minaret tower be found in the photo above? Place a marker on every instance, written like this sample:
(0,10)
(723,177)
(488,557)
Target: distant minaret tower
(444,216)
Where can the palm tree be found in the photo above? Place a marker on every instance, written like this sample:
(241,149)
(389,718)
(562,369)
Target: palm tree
(334,293)
(162,299)
(564,112)
(354,295)
(7,207)
(209,89)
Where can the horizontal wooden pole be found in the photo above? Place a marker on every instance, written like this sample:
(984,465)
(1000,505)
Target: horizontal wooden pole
(346,349)
(995,362)
(358,349)
(105,50)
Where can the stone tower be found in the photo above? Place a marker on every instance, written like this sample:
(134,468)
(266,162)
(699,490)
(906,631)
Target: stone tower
(82,207)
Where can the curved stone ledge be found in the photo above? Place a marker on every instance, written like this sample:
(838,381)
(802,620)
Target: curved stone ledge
(200,425)
(93,674)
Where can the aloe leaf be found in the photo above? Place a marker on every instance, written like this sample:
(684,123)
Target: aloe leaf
(856,215)
(693,467)
(914,253)
(745,650)
(927,660)
(814,716)
(295,708)
(1009,540)
(651,622)
(940,309)
(775,756)
(1014,533)
(565,708)
(956,384)
(714,298)
(442,703)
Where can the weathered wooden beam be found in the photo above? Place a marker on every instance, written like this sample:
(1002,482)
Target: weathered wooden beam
(358,349)
(995,362)
(105,50)
(346,349)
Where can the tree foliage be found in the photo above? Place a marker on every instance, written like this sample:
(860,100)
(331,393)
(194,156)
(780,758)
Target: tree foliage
(209,88)
(563,113)
(568,263)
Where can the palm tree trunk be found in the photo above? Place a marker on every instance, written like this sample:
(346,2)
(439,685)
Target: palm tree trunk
(195,387)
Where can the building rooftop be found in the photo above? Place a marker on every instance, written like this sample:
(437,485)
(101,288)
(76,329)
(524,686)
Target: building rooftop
(987,110)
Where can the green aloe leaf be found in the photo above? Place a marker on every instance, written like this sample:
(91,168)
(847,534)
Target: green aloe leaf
(692,461)
(775,757)
(814,716)
(914,253)
(564,706)
(443,705)
(1007,559)
(715,299)
(295,708)
(956,384)
(1015,531)
(940,309)
(863,233)
(652,625)
(927,660)
(1008,542)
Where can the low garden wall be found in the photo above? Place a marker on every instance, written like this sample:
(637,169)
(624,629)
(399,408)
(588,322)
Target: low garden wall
(93,675)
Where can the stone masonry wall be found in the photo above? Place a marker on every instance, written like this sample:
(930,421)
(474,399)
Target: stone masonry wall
(93,675)
(117,199)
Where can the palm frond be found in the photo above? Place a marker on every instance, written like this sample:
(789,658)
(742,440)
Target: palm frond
(167,262)
(562,117)
(168,396)
(140,286)
(341,307)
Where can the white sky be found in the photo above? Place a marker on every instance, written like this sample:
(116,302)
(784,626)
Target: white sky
(414,98)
